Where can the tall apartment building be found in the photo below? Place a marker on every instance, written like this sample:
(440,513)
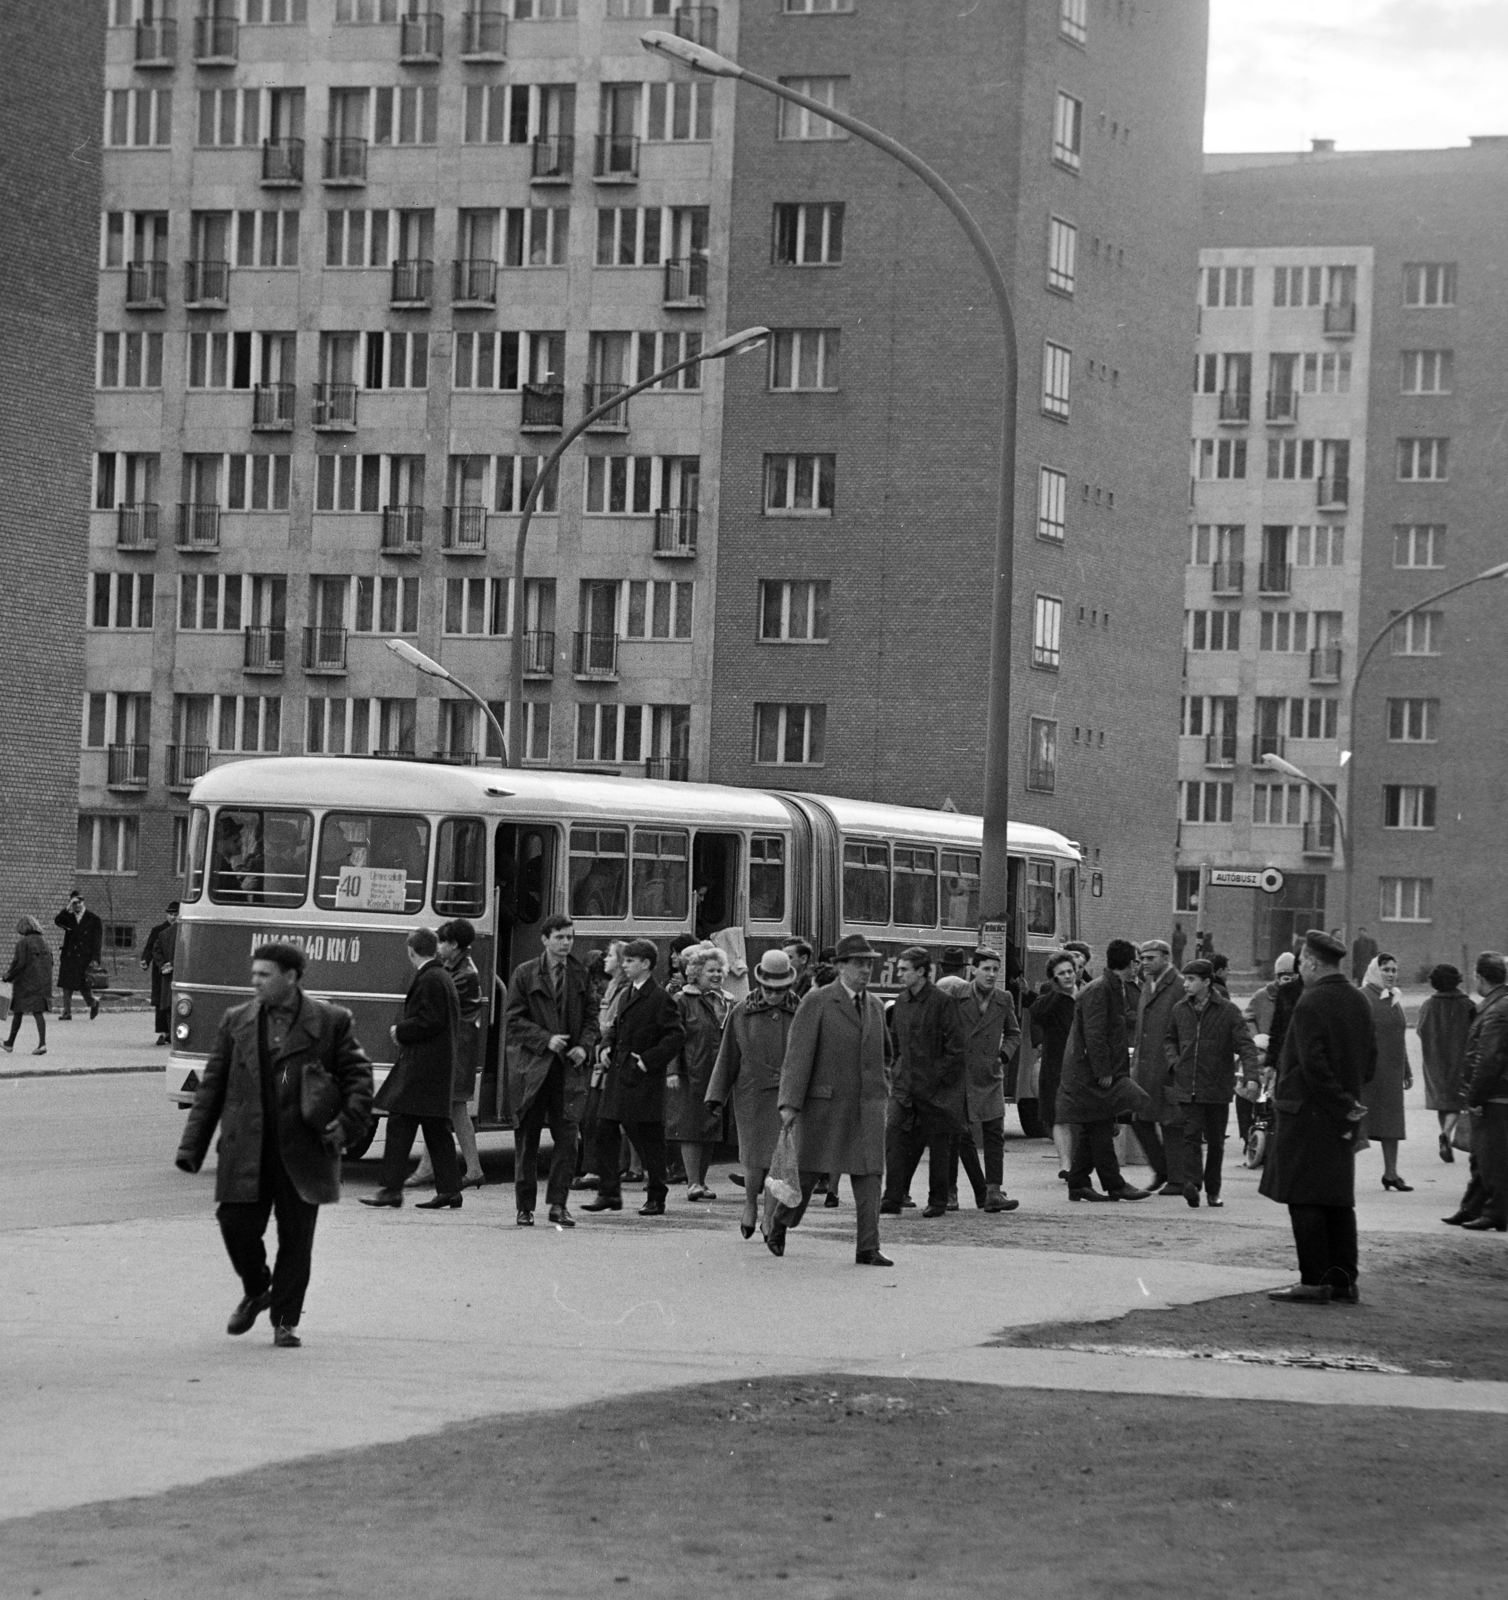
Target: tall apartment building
(1350,390)
(50,78)
(362,260)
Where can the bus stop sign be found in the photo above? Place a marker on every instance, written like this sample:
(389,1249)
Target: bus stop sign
(1269,880)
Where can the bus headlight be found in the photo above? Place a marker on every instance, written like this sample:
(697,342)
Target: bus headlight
(183,1005)
(181,1032)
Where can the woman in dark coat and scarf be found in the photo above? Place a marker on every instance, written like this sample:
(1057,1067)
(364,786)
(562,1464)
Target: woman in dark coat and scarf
(689,1120)
(30,977)
(1445,1020)
(1051,1022)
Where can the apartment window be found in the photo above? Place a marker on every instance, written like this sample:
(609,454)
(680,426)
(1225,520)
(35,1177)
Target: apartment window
(608,733)
(266,238)
(1057,364)
(1327,373)
(1186,885)
(677,112)
(1408,805)
(1217,543)
(120,935)
(1202,714)
(1419,544)
(799,485)
(250,723)
(814,8)
(477,606)
(793,610)
(625,358)
(1206,802)
(1422,460)
(1042,755)
(1296,717)
(139,117)
(387,605)
(1298,286)
(1321,544)
(238,482)
(1220,458)
(212,602)
(120,600)
(1052,504)
(513,478)
(536,236)
(640,485)
(797,122)
(1426,371)
(132,237)
(1068,131)
(107,844)
(515,113)
(1047,632)
(789,735)
(1405,899)
(1212,630)
(130,361)
(1413,721)
(240,360)
(808,234)
(397,360)
(1062,252)
(1429,283)
(1284,632)
(122,479)
(1308,458)
(355,237)
(1073,20)
(1228,286)
(230,116)
(804,358)
(406,115)
(366,10)
(499,359)
(277,11)
(646,236)
(360,727)
(1419,634)
(117,719)
(543,10)
(1277,805)
(659,610)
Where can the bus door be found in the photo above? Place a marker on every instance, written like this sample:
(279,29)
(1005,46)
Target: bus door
(714,879)
(524,872)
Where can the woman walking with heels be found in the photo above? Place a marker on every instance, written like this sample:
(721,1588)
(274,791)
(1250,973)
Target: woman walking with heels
(30,977)
(1383,1095)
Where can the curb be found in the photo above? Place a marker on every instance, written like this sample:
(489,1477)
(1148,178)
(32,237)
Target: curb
(73,1072)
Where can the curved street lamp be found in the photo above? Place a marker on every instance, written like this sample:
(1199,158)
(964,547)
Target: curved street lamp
(432,668)
(1276,763)
(994,869)
(735,344)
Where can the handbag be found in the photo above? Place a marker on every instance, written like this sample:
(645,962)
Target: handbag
(1460,1135)
(97,975)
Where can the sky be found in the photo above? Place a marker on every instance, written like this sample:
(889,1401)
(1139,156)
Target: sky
(1370,74)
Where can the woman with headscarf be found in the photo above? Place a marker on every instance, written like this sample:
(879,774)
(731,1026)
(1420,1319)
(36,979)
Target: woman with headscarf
(1383,1096)
(1444,1021)
(1051,1023)
(30,977)
(689,1119)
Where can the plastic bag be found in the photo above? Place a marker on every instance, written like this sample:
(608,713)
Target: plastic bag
(783,1181)
(1460,1134)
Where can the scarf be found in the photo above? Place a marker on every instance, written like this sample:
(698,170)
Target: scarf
(781,1000)
(1375,980)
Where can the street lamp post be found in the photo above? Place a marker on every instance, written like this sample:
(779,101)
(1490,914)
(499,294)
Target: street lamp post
(995,870)
(432,668)
(1499,571)
(1277,764)
(732,344)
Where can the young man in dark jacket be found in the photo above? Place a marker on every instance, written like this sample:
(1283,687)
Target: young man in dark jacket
(1206,1037)
(1486,1079)
(926,1085)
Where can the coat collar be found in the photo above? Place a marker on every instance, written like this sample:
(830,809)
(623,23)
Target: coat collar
(303,1030)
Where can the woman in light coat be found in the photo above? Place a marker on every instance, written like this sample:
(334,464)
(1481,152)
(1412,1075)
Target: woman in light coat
(30,977)
(689,1120)
(1383,1095)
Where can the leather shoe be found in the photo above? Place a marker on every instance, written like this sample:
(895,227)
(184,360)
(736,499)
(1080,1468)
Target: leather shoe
(1171,1188)
(250,1308)
(1127,1192)
(1310,1294)
(652,1208)
(1350,1295)
(599,1204)
(831,1203)
(1089,1194)
(561,1217)
(872,1258)
(1484,1225)
(384,1197)
(774,1241)
(286,1339)
(890,1208)
(1456,1220)
(1191,1194)
(935,1211)
(525,1219)
(998,1200)
(441,1202)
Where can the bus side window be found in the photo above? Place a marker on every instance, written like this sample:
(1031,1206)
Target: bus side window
(1068,888)
(915,887)
(1041,905)
(460,888)
(599,872)
(960,889)
(660,873)
(866,882)
(767,878)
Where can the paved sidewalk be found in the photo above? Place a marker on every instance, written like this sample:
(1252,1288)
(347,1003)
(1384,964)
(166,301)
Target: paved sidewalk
(116,1041)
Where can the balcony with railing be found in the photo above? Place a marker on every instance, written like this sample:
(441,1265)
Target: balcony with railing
(457,756)
(216,41)
(157,43)
(1340,321)
(539,654)
(421,39)
(325,651)
(1282,405)
(1220,749)
(206,285)
(465,531)
(1228,577)
(1235,406)
(401,752)
(335,407)
(413,285)
(543,408)
(1275,577)
(697,23)
(671,769)
(282,163)
(136,527)
(675,532)
(617,158)
(272,407)
(198,526)
(554,159)
(1266,744)
(186,764)
(613,421)
(1324,664)
(403,531)
(345,162)
(1319,837)
(127,766)
(473,283)
(147,286)
(263,650)
(484,34)
(596,656)
(686,282)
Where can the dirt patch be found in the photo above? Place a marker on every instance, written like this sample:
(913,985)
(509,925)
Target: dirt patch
(828,1489)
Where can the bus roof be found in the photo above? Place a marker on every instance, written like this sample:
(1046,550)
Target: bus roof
(869,816)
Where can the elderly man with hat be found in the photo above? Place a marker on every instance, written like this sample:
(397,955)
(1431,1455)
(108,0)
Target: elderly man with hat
(832,1095)
(1329,1052)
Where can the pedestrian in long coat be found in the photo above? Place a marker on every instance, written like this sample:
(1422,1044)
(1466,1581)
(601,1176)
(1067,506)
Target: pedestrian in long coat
(689,1120)
(832,1095)
(30,977)
(1051,1024)
(1329,1053)
(157,957)
(927,1094)
(416,1093)
(1445,1020)
(1161,990)
(1485,1205)
(456,939)
(991,1040)
(747,1072)
(83,944)
(1383,1095)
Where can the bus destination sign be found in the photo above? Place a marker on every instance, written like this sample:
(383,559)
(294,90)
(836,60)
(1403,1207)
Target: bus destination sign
(371,889)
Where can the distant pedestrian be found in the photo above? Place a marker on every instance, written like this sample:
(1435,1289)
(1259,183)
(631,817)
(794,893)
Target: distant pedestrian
(926,1106)
(1083,960)
(83,944)
(1178,944)
(291,1088)
(157,958)
(1329,1052)
(1383,1094)
(1220,974)
(675,978)
(799,953)
(455,940)
(1267,1014)
(1051,1024)
(991,1040)
(1363,954)
(1204,944)
(1445,1019)
(1158,1124)
(30,977)
(832,1096)
(690,1121)
(416,1093)
(1487,1095)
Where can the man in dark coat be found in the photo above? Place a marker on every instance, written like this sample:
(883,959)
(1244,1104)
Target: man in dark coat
(552,1035)
(290,1088)
(1363,954)
(157,958)
(416,1093)
(991,1038)
(647,1037)
(1486,1091)
(1097,1086)
(927,1098)
(801,956)
(83,943)
(1156,1125)
(1329,1052)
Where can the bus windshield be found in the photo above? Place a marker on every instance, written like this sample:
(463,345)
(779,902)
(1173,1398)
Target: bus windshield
(260,858)
(372,862)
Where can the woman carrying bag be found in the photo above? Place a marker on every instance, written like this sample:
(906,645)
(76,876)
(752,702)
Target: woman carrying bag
(30,977)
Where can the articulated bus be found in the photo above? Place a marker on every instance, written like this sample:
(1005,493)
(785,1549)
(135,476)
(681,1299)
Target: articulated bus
(344,857)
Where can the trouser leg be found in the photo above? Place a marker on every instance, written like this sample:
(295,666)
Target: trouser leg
(994,1151)
(1081,1163)
(609,1146)
(526,1133)
(1216,1119)
(296,1219)
(866,1199)
(1311,1239)
(439,1140)
(1493,1161)
(649,1141)
(1101,1138)
(563,1137)
(1149,1137)
(401,1129)
(1245,1111)
(242,1224)
(935,1132)
(790,1216)
(1340,1242)
(966,1155)
(87,994)
(67,1010)
(898,1119)
(1190,1144)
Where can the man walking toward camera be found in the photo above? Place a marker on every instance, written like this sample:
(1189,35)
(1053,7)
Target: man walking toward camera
(83,944)
(926,1086)
(290,1088)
